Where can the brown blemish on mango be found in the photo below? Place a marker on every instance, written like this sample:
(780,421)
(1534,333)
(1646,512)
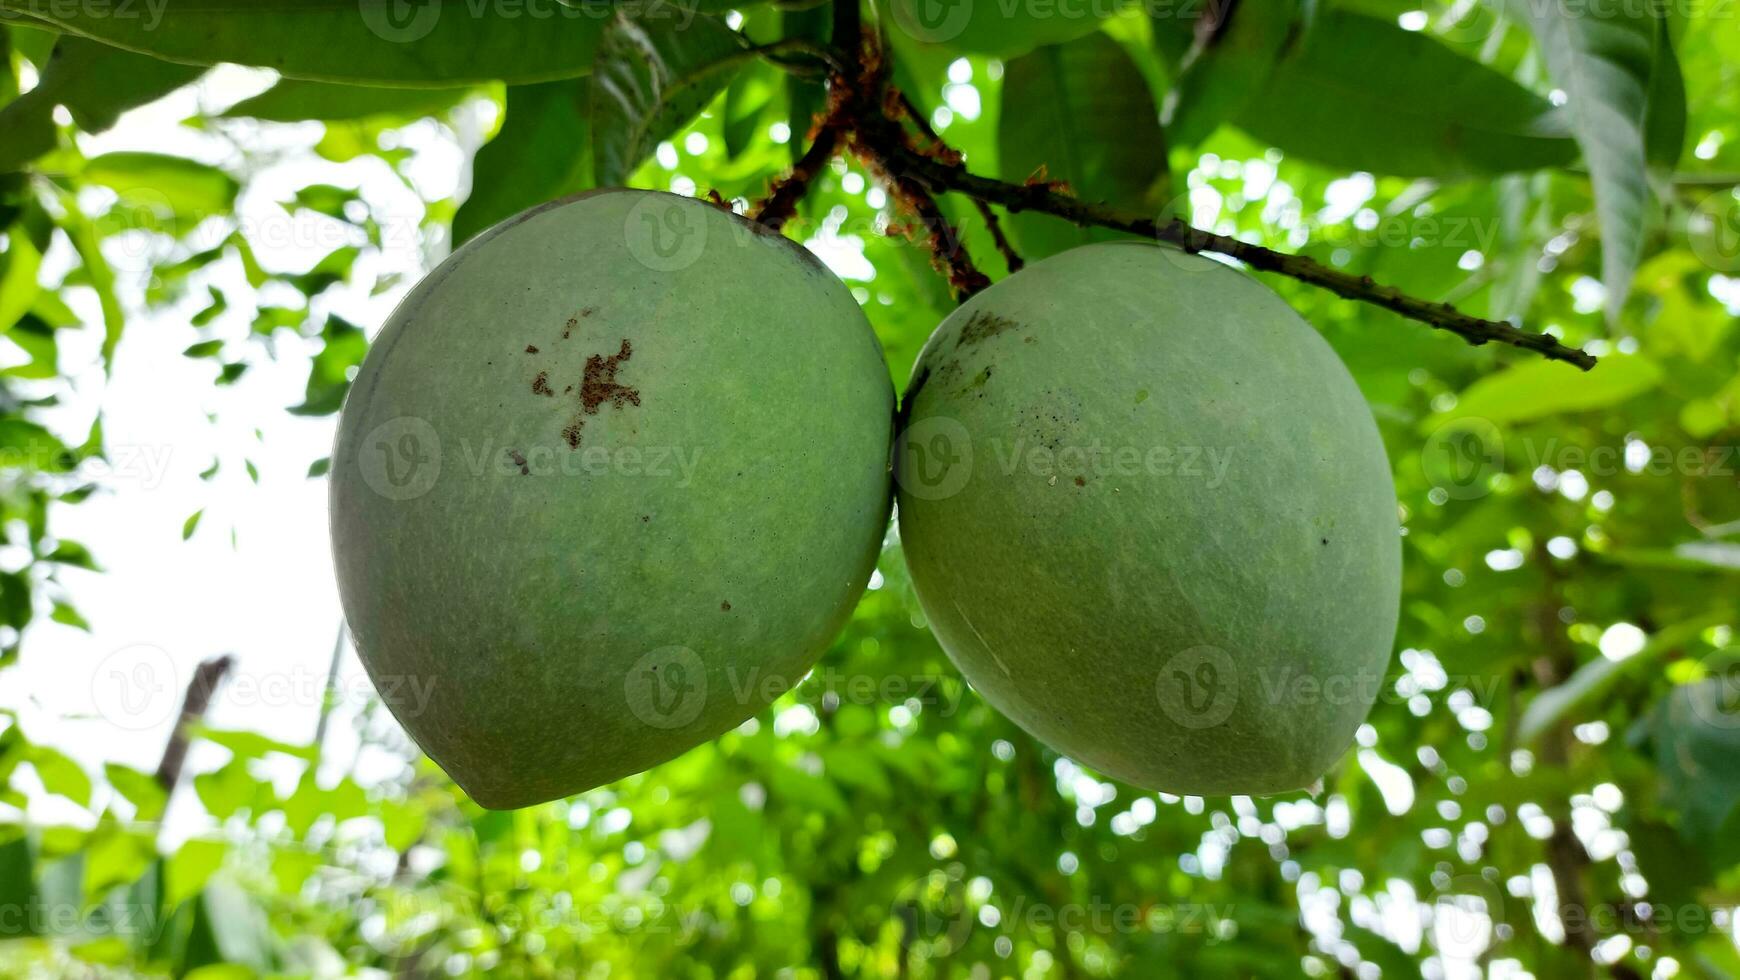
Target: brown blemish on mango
(600,386)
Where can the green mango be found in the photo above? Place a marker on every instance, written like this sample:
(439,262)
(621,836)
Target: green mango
(611,478)
(1148,514)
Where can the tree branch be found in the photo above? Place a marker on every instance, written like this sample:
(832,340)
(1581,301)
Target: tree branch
(782,199)
(940,176)
(868,117)
(200,690)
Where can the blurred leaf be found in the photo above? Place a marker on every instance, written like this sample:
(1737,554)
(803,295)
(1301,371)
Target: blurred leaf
(115,855)
(66,615)
(1082,112)
(292,100)
(253,745)
(191,524)
(190,189)
(60,775)
(86,243)
(1592,681)
(330,373)
(423,44)
(804,96)
(1696,731)
(191,866)
(95,83)
(72,553)
(746,101)
(19,264)
(1689,556)
(1665,115)
(541,153)
(1601,57)
(229,789)
(1361,93)
(1539,388)
(1225,69)
(138,788)
(652,77)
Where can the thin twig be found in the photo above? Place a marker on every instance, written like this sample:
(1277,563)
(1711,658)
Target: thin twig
(939,176)
(776,52)
(782,200)
(200,690)
(1010,258)
(879,143)
(329,693)
(875,136)
(938,149)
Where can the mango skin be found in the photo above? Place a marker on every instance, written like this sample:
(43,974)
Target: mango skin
(1184,632)
(517,571)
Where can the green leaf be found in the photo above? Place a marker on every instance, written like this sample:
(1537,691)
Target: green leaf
(429,43)
(191,524)
(72,553)
(746,101)
(1664,118)
(17,884)
(804,96)
(230,788)
(1226,69)
(67,615)
(1590,683)
(19,263)
(86,242)
(1696,731)
(651,78)
(191,866)
(293,100)
(1601,56)
(138,788)
(1082,112)
(1687,556)
(95,82)
(540,153)
(1536,389)
(253,745)
(319,467)
(1360,93)
(115,855)
(330,373)
(190,190)
(60,775)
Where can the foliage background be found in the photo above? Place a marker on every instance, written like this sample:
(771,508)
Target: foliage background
(1549,785)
